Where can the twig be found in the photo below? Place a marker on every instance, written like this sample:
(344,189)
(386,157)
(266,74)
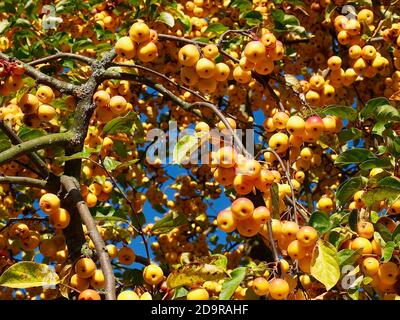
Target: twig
(62,55)
(289,180)
(17,140)
(40,77)
(71,186)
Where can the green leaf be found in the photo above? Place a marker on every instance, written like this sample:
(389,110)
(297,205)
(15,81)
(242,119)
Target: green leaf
(184,147)
(353,220)
(179,293)
(320,222)
(349,134)
(336,238)
(353,293)
(393,146)
(253,18)
(396,232)
(127,163)
(168,222)
(356,155)
(324,264)
(348,256)
(216,28)
(374,216)
(384,232)
(27,274)
(26,133)
(378,238)
(381,193)
(167,18)
(242,5)
(133,277)
(286,22)
(4,142)
(221,260)
(390,182)
(372,105)
(110,164)
(387,251)
(122,124)
(79,155)
(376,163)
(343,112)
(230,285)
(347,189)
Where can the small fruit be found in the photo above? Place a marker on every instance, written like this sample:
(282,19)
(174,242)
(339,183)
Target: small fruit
(85,268)
(254,51)
(126,256)
(295,250)
(362,243)
(45,94)
(49,203)
(388,273)
(188,55)
(365,229)
(112,251)
(153,274)
(79,283)
(89,294)
(261,215)
(139,32)
(125,48)
(307,236)
(370,266)
(242,208)
(205,68)
(118,104)
(60,219)
(226,221)
(260,286)
(127,295)
(97,280)
(278,289)
(198,294)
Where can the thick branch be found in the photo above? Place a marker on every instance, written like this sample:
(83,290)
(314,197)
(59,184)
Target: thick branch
(33,145)
(40,77)
(71,187)
(24,181)
(62,55)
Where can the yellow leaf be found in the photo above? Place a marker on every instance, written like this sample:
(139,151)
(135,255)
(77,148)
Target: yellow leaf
(324,264)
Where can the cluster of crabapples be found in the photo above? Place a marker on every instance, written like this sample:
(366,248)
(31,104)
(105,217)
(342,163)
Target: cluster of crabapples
(199,68)
(30,108)
(88,281)
(10,76)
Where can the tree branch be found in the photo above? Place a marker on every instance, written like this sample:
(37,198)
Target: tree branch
(71,186)
(33,145)
(62,55)
(25,181)
(289,180)
(40,77)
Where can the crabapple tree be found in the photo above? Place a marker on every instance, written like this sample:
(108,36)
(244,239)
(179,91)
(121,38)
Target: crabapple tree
(292,106)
